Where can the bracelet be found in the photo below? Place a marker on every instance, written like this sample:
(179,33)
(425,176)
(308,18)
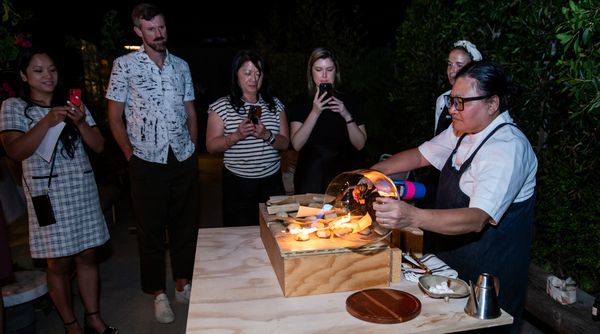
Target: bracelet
(268,139)
(269,136)
(271,139)
(350,121)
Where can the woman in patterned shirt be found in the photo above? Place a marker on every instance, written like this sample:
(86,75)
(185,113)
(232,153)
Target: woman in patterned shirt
(66,177)
(250,127)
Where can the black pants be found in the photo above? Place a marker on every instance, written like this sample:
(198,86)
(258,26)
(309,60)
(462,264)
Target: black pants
(242,195)
(165,203)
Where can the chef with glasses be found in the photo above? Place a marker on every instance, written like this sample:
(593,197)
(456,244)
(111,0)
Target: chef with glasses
(484,211)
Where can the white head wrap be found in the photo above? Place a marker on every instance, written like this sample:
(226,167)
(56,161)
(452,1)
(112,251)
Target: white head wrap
(471,49)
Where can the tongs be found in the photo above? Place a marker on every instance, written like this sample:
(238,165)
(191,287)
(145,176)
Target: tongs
(419,262)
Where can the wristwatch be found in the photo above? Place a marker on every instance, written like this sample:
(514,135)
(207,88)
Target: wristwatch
(271,138)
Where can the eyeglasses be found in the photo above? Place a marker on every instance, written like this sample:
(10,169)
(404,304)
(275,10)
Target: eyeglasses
(459,102)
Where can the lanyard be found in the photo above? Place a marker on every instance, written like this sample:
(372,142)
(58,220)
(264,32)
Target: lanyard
(49,175)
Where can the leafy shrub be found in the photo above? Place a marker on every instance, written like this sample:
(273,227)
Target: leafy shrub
(557,109)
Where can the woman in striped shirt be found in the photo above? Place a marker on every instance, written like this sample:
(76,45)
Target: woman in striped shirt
(250,127)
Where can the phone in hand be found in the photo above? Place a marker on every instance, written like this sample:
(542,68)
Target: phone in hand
(327,89)
(75,96)
(254,113)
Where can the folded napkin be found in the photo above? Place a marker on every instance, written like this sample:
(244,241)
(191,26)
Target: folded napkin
(432,262)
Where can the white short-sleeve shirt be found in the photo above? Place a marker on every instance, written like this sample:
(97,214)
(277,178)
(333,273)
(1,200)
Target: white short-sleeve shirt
(501,173)
(154,104)
(440,103)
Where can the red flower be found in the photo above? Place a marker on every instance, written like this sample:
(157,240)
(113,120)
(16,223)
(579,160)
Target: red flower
(20,38)
(22,41)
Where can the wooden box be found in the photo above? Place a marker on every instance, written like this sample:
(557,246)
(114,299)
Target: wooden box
(310,267)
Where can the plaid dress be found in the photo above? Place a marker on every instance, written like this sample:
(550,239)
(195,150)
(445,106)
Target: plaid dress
(73,193)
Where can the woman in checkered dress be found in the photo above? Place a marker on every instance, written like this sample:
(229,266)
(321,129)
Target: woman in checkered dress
(79,226)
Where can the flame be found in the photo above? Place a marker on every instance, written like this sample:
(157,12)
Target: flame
(303,230)
(388,194)
(308,230)
(340,222)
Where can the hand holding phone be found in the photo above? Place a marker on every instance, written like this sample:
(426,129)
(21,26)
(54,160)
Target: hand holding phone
(254,114)
(75,96)
(327,89)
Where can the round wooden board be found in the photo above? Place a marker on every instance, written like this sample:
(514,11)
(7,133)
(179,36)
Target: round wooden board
(383,306)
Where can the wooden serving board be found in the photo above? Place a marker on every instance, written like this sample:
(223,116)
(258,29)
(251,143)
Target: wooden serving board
(383,306)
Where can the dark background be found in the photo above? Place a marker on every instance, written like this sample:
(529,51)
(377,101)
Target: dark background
(229,22)
(207,37)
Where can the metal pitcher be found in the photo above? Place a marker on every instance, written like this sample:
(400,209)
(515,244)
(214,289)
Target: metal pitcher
(483,298)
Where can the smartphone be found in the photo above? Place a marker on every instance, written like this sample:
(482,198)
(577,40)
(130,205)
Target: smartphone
(327,89)
(254,113)
(75,96)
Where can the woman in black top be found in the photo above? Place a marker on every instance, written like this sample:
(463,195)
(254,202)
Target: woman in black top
(326,129)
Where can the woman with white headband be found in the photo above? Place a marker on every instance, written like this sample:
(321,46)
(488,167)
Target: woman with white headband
(462,53)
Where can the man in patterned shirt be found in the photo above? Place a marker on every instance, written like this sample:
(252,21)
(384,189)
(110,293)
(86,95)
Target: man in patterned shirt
(154,90)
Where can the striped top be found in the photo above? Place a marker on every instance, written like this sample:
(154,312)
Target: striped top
(250,157)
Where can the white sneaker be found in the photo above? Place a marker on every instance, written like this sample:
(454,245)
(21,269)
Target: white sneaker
(183,296)
(162,309)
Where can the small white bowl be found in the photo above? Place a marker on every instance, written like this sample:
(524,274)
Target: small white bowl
(460,287)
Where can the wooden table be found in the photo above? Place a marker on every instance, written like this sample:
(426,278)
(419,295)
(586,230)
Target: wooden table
(235,290)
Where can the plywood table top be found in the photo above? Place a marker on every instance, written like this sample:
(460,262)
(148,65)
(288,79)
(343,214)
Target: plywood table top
(235,290)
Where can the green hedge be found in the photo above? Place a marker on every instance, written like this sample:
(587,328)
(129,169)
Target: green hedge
(552,52)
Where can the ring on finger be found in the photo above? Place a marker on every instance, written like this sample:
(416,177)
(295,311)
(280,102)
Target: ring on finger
(72,108)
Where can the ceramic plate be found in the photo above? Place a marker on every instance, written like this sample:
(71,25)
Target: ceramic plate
(459,287)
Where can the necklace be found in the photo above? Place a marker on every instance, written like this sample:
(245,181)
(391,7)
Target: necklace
(40,103)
